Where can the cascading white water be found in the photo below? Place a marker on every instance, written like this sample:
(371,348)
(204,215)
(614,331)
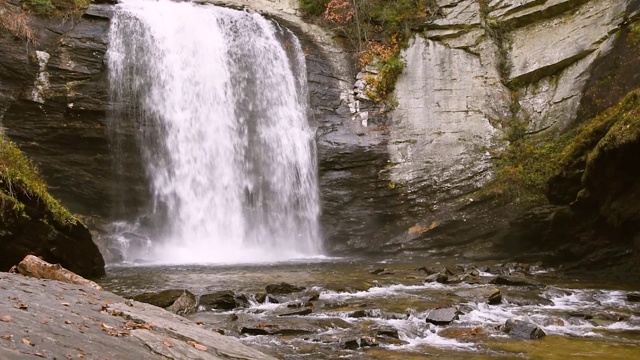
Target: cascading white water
(222,112)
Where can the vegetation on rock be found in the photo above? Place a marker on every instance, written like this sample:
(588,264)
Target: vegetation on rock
(525,166)
(20,180)
(16,23)
(376,30)
(63,8)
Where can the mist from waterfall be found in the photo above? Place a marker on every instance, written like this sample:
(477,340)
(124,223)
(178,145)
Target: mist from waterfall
(220,100)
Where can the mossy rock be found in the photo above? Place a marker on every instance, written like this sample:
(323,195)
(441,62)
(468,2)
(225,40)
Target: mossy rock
(32,222)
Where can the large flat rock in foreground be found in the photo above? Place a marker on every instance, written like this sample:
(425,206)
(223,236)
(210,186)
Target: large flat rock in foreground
(53,320)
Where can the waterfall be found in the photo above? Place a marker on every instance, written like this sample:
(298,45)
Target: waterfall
(219,97)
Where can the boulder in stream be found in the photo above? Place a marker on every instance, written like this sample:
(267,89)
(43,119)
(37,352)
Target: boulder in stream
(442,316)
(184,305)
(364,341)
(223,300)
(523,329)
(514,281)
(634,297)
(495,298)
(283,288)
(437,277)
(163,299)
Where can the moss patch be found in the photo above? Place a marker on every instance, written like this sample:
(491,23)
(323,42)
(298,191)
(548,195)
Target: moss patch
(20,181)
(525,167)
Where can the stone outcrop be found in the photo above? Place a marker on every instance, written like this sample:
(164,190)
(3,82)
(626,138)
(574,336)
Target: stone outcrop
(42,319)
(54,103)
(472,74)
(38,268)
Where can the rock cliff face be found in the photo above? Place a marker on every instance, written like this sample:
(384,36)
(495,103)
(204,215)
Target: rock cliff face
(391,181)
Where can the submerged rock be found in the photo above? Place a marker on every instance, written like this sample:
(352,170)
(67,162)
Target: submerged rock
(283,288)
(514,281)
(442,316)
(301,312)
(365,341)
(523,329)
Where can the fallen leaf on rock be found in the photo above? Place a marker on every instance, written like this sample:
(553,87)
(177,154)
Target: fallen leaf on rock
(65,304)
(105,326)
(27,342)
(6,337)
(81,356)
(199,323)
(6,318)
(21,306)
(132,325)
(197,346)
(167,344)
(40,355)
(67,322)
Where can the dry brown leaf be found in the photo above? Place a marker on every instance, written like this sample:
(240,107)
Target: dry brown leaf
(22,306)
(6,337)
(67,322)
(40,355)
(198,346)
(6,318)
(199,323)
(81,356)
(167,344)
(27,342)
(65,304)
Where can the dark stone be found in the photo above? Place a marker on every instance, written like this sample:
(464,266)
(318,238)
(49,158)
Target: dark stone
(162,298)
(355,344)
(283,288)
(442,316)
(437,277)
(388,332)
(312,296)
(514,281)
(301,312)
(495,298)
(221,300)
(260,297)
(523,329)
(254,331)
(35,230)
(634,297)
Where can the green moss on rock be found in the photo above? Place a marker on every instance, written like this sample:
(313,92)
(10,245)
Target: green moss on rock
(19,178)
(32,222)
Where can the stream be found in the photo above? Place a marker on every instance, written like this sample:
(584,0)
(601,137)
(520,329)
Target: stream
(378,309)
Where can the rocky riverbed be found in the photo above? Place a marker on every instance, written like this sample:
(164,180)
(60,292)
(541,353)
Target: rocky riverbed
(363,309)
(53,320)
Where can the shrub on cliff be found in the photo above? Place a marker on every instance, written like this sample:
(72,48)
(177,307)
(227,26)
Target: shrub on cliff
(376,30)
(63,8)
